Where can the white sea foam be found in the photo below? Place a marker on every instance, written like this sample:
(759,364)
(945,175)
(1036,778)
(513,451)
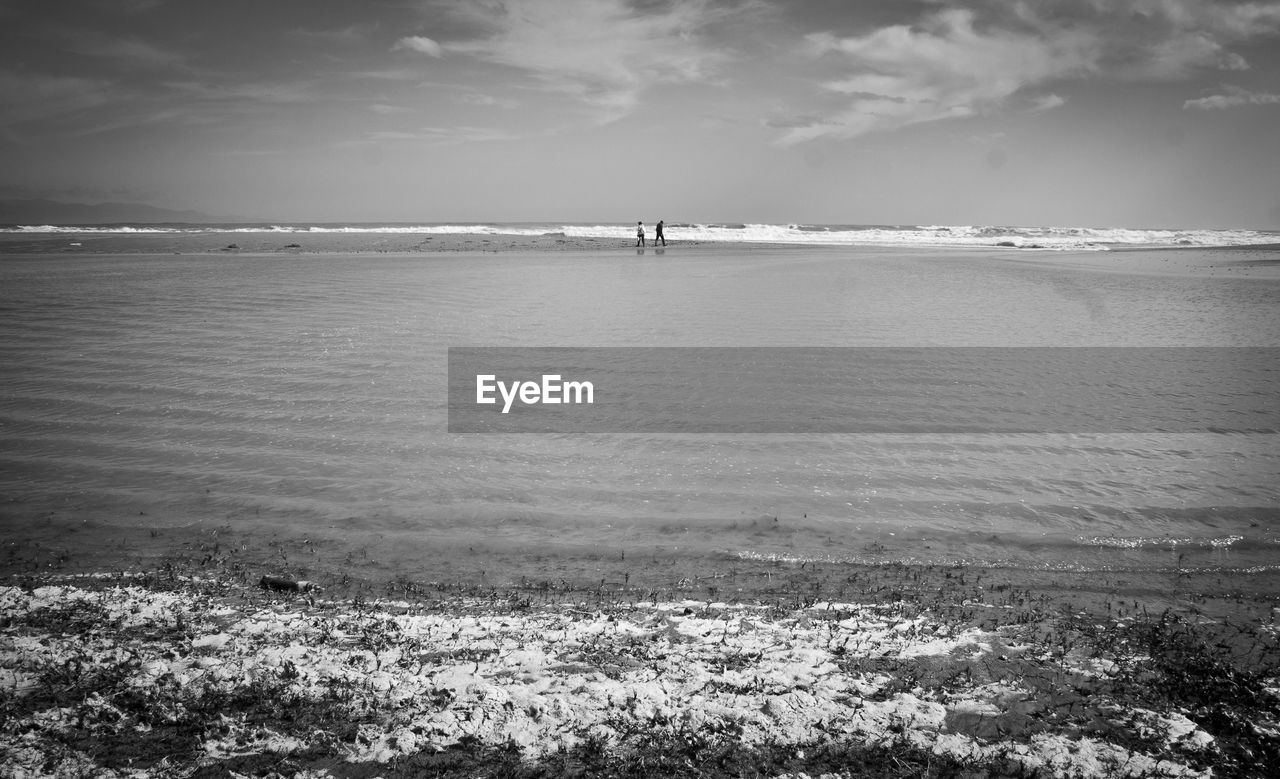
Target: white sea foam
(800,234)
(111,229)
(1140,542)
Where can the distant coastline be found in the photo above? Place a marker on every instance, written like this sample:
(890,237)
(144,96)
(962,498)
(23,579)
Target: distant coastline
(38,211)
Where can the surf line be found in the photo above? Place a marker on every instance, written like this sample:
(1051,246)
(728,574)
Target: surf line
(551,391)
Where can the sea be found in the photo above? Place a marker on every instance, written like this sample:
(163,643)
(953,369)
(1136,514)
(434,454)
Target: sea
(1075,238)
(275,398)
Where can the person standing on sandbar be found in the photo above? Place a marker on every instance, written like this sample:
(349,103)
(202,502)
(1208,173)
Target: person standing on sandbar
(658,236)
(640,234)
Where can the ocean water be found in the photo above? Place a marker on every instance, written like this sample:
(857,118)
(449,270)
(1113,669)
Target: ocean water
(1047,238)
(294,405)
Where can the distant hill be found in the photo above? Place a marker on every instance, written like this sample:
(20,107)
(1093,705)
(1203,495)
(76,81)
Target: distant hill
(52,212)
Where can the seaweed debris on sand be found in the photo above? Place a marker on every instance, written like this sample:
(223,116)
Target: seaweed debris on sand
(143,675)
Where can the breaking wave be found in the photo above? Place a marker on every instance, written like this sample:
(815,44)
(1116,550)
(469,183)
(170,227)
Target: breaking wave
(1048,238)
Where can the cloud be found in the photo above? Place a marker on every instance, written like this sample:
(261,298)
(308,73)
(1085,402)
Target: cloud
(605,53)
(83,107)
(1154,39)
(790,122)
(477,98)
(141,118)
(127,51)
(1232,61)
(1047,102)
(946,68)
(420,44)
(993,55)
(248,96)
(1234,97)
(442,136)
(129,6)
(350,35)
(31,97)
(388,74)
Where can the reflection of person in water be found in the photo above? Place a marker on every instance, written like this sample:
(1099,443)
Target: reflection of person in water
(640,234)
(658,236)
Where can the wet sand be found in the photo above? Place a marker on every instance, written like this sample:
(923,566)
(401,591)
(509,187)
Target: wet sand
(1260,262)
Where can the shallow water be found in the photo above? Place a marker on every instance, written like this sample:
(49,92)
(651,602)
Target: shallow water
(299,400)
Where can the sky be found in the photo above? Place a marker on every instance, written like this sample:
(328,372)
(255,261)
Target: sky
(1100,113)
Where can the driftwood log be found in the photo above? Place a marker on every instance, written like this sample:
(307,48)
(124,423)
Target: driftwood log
(281,584)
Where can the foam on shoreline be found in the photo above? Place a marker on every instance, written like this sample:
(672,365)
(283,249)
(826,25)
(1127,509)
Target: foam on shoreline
(1226,261)
(1021,237)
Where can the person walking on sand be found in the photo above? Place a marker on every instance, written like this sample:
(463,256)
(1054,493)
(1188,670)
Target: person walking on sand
(657,234)
(640,234)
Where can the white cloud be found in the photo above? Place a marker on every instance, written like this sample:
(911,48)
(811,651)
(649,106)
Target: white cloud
(944,69)
(1234,97)
(127,51)
(1232,61)
(246,95)
(389,74)
(603,52)
(1231,20)
(142,118)
(420,44)
(443,136)
(476,98)
(1047,102)
(1162,39)
(351,34)
(996,54)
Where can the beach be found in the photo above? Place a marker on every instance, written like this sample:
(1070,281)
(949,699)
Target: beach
(354,424)
(194,412)
(1253,260)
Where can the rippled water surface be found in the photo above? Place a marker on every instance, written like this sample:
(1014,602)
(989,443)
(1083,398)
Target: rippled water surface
(301,398)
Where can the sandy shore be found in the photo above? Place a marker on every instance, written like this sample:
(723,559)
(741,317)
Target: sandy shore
(303,243)
(1261,261)
(170,674)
